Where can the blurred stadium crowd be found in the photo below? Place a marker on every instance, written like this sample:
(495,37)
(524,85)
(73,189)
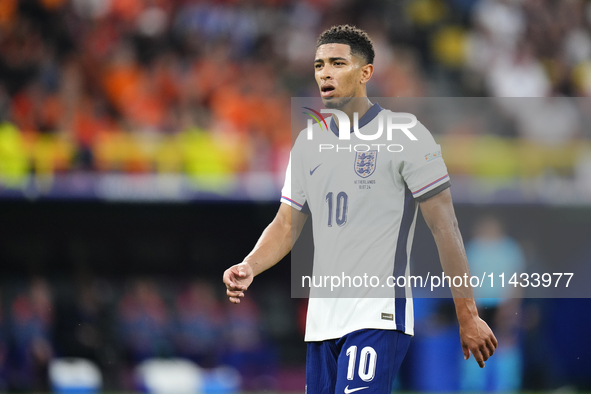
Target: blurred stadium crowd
(118,327)
(203,87)
(120,290)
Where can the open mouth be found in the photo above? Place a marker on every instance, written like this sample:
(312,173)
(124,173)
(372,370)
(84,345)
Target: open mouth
(327,90)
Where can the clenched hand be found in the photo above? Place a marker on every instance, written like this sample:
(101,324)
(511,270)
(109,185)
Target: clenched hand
(237,279)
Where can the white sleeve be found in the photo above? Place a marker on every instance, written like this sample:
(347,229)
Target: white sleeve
(292,194)
(422,167)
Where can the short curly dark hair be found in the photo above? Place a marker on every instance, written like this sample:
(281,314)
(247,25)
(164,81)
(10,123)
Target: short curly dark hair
(356,38)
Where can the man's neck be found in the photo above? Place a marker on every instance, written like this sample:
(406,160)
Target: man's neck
(358,104)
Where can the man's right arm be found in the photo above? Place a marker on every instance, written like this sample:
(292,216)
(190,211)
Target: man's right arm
(274,243)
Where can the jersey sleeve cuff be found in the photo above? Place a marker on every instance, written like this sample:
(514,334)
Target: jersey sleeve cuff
(433,192)
(292,203)
(429,190)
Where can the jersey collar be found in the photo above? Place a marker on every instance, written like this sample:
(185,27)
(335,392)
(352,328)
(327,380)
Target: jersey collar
(365,119)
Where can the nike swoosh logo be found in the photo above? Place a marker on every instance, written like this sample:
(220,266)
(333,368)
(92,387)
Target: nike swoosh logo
(347,391)
(312,171)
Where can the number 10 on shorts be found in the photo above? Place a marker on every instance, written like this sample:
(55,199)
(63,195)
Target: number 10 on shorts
(367,363)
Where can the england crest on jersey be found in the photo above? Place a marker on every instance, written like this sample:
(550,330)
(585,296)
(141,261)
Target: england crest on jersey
(365,163)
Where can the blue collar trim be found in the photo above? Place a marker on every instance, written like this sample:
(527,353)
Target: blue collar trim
(365,119)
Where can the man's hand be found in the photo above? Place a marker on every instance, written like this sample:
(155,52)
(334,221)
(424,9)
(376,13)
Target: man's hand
(477,337)
(237,279)
(272,246)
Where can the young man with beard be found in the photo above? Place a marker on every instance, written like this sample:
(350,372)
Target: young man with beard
(357,344)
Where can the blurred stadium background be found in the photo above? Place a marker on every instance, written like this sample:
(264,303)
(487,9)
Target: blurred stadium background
(140,156)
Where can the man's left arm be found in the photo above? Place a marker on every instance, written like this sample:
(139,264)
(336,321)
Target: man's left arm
(475,335)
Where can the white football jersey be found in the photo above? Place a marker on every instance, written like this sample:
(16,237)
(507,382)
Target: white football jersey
(363,200)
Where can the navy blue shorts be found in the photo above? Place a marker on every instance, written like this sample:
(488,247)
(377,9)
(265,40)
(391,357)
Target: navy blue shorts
(364,361)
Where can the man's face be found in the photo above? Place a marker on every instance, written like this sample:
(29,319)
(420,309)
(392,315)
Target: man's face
(339,74)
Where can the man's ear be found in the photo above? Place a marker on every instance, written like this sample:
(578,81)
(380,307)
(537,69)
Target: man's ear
(366,73)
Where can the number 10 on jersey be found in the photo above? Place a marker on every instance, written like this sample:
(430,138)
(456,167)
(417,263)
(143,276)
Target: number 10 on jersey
(367,363)
(341,208)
